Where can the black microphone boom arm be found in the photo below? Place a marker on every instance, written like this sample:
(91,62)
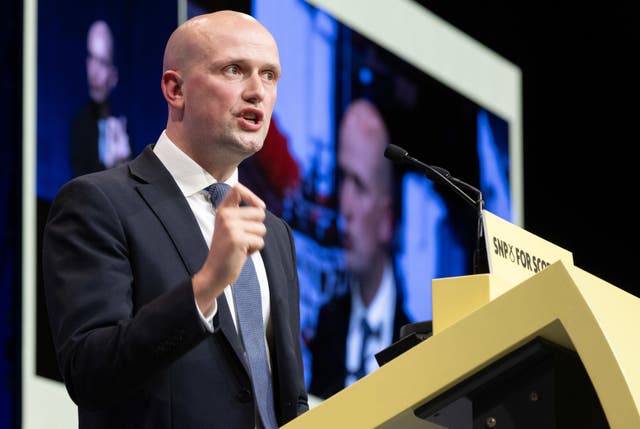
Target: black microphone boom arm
(437,174)
(441,175)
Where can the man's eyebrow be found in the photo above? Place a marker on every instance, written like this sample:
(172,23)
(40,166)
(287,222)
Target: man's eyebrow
(273,65)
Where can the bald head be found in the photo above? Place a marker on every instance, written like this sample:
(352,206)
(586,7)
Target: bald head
(364,137)
(102,75)
(220,76)
(100,33)
(190,41)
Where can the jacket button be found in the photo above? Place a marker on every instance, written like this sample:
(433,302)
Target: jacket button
(244,395)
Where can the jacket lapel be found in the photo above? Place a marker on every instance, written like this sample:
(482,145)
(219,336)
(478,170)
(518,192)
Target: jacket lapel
(164,198)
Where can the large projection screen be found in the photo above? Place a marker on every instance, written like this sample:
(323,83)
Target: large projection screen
(444,52)
(419,37)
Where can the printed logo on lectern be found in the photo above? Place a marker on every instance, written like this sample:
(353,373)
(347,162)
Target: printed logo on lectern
(517,256)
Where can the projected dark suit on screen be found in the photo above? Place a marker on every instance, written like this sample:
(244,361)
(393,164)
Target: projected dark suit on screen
(352,328)
(331,344)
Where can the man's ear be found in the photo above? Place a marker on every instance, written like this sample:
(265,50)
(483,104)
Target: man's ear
(172,88)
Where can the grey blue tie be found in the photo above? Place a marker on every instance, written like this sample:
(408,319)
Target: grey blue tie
(248,303)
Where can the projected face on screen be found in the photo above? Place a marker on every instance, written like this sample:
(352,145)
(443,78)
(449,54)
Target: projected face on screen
(102,73)
(365,191)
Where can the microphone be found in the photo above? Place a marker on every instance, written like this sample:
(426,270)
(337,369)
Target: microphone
(441,175)
(413,333)
(437,174)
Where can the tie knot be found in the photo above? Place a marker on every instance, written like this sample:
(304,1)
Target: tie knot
(217,191)
(368,331)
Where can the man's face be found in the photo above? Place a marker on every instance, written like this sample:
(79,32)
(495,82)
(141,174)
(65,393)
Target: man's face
(101,73)
(365,203)
(230,90)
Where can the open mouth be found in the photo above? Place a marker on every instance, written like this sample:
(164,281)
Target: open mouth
(251,117)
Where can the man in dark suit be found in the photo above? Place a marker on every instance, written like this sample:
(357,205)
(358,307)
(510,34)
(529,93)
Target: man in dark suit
(140,269)
(352,328)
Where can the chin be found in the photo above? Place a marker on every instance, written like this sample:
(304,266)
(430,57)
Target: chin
(244,147)
(251,142)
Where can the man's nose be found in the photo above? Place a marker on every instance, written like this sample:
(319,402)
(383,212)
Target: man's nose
(254,88)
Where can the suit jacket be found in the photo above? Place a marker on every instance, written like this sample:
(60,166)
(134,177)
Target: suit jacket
(119,250)
(329,344)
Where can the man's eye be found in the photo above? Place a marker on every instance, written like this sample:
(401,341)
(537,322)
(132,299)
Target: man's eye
(269,75)
(233,69)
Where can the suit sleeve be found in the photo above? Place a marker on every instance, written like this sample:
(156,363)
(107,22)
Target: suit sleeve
(105,346)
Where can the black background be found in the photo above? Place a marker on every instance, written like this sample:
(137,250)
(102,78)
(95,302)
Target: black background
(580,116)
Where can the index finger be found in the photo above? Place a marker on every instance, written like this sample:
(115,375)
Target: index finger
(241,194)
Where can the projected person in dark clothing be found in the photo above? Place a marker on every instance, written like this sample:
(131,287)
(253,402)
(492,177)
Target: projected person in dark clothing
(353,327)
(99,140)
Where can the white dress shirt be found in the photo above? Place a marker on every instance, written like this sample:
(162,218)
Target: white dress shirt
(379,316)
(192,180)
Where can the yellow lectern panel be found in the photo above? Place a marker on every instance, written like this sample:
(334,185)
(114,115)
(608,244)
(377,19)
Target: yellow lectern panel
(562,304)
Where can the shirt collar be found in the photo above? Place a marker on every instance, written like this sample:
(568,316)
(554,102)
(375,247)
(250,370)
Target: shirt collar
(188,174)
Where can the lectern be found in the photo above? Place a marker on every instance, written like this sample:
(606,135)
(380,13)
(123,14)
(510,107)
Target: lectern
(556,348)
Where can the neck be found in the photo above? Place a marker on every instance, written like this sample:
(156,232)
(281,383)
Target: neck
(216,162)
